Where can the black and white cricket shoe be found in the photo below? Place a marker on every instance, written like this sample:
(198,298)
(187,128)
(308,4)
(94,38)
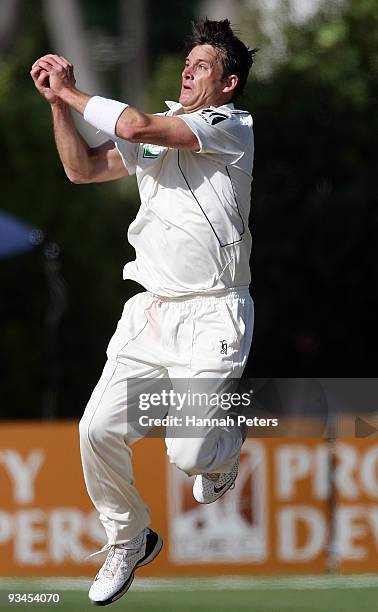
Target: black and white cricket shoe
(116,575)
(207,488)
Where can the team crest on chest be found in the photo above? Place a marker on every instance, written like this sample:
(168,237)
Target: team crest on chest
(151,150)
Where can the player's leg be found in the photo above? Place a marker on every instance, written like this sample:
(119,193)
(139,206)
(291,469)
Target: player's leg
(106,434)
(198,444)
(106,437)
(222,335)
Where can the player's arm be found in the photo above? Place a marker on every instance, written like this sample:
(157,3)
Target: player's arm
(81,163)
(137,126)
(118,121)
(84,164)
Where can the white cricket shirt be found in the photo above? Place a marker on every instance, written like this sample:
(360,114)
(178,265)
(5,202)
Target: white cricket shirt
(191,232)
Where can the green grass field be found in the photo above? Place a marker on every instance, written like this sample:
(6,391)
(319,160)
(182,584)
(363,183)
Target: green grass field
(304,594)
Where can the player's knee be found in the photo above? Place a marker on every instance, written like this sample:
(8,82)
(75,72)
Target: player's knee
(94,432)
(185,464)
(189,456)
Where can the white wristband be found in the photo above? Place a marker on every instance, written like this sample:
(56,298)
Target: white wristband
(103,114)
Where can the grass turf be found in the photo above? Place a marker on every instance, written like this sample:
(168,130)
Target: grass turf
(276,599)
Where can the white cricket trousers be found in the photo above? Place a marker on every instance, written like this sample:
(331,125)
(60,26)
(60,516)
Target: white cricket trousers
(177,339)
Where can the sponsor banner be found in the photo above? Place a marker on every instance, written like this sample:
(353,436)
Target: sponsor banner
(47,523)
(233,530)
(272,521)
(300,505)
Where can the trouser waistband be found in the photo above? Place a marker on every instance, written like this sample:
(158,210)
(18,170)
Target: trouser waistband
(234,292)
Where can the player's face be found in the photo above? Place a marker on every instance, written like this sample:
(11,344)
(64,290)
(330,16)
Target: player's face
(202,82)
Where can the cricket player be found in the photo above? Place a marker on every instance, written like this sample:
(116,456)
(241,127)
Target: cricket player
(194,320)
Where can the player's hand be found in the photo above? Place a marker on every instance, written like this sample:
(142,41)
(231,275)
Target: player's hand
(42,83)
(53,73)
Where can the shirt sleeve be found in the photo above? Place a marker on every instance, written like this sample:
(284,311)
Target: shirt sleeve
(219,134)
(129,153)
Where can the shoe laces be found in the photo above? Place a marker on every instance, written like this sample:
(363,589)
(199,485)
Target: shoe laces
(118,552)
(114,558)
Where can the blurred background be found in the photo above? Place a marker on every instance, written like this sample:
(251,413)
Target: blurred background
(314,216)
(312,93)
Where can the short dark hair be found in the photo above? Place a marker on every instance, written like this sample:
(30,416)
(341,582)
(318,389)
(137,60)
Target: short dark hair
(235,56)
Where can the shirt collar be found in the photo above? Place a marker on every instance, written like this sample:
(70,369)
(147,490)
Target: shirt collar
(175,106)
